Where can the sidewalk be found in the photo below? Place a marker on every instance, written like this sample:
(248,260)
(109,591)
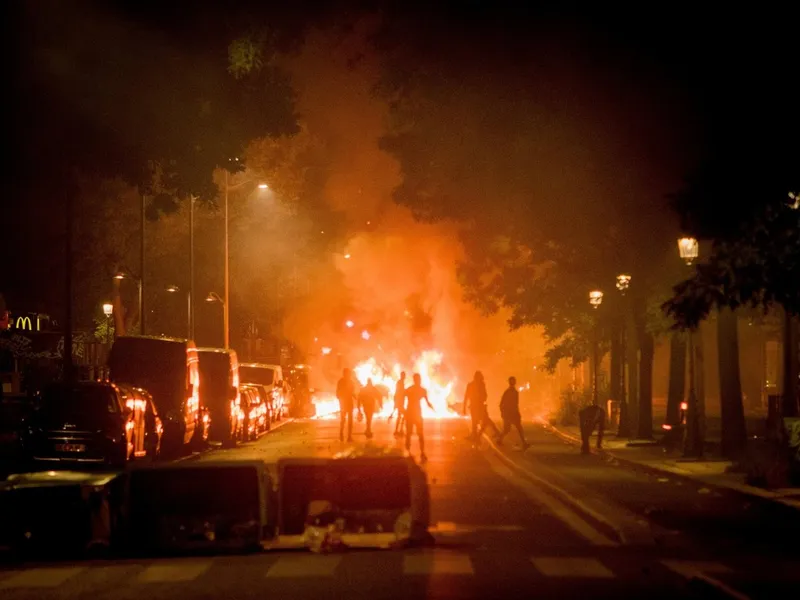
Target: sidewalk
(712,472)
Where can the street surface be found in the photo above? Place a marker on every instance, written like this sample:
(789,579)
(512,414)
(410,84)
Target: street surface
(574,526)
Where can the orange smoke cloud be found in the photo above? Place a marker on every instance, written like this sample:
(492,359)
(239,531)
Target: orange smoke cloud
(392,258)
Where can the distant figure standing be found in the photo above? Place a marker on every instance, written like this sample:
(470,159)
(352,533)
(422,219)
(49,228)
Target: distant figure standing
(475,398)
(346,394)
(399,398)
(413,413)
(369,400)
(590,417)
(509,411)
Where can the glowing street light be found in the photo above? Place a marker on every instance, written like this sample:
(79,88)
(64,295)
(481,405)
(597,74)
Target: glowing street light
(365,334)
(623,281)
(689,249)
(693,441)
(108,310)
(326,350)
(347,256)
(595,298)
(349,324)
(225,303)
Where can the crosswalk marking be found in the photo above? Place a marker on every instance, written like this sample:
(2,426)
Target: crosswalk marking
(174,571)
(305,565)
(437,562)
(571,567)
(45,577)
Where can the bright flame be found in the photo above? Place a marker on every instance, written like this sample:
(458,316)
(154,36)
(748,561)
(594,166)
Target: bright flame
(440,389)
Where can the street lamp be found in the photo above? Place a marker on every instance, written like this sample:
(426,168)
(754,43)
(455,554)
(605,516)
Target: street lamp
(595,299)
(108,310)
(174,289)
(225,302)
(689,250)
(623,283)
(123,275)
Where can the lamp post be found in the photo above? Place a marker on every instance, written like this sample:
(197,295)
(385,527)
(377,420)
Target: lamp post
(108,310)
(174,289)
(213,298)
(689,250)
(225,302)
(595,299)
(122,275)
(623,282)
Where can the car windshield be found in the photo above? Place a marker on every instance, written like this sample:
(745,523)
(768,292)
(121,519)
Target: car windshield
(79,400)
(262,375)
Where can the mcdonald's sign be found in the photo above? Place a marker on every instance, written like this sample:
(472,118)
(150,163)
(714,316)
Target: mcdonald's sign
(24,323)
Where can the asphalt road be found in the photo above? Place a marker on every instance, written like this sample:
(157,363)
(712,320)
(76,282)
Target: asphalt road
(546,523)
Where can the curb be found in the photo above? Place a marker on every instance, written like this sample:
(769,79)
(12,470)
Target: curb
(197,455)
(596,520)
(754,493)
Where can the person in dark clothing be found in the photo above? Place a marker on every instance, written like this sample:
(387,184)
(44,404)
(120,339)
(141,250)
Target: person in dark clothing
(346,394)
(475,398)
(509,411)
(591,417)
(399,399)
(369,400)
(413,411)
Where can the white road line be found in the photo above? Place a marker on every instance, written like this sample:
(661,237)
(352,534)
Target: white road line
(560,510)
(572,567)
(699,570)
(174,571)
(305,565)
(437,563)
(45,577)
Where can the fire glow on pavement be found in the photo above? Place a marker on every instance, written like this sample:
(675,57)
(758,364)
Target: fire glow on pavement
(440,389)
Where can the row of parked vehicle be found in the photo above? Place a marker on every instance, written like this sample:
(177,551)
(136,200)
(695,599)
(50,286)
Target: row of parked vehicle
(165,398)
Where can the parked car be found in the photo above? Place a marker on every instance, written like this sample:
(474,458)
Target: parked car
(145,429)
(167,368)
(85,422)
(219,392)
(270,376)
(256,412)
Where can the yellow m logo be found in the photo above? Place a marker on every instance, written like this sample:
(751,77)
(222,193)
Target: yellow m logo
(24,323)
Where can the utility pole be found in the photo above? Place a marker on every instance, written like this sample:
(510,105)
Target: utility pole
(141,272)
(69,218)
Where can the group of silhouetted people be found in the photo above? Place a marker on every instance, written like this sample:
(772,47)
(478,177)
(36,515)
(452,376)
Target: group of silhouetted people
(475,399)
(369,400)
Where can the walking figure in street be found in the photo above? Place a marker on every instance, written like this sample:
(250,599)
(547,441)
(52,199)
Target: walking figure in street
(413,414)
(475,398)
(509,411)
(399,398)
(346,394)
(369,401)
(589,418)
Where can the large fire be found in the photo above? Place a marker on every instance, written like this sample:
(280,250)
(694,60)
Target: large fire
(427,365)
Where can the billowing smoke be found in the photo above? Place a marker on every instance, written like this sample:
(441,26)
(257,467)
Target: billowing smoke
(395,280)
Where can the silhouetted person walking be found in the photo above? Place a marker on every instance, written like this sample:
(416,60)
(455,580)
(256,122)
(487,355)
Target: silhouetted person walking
(369,400)
(413,412)
(509,411)
(399,398)
(591,417)
(346,393)
(475,398)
